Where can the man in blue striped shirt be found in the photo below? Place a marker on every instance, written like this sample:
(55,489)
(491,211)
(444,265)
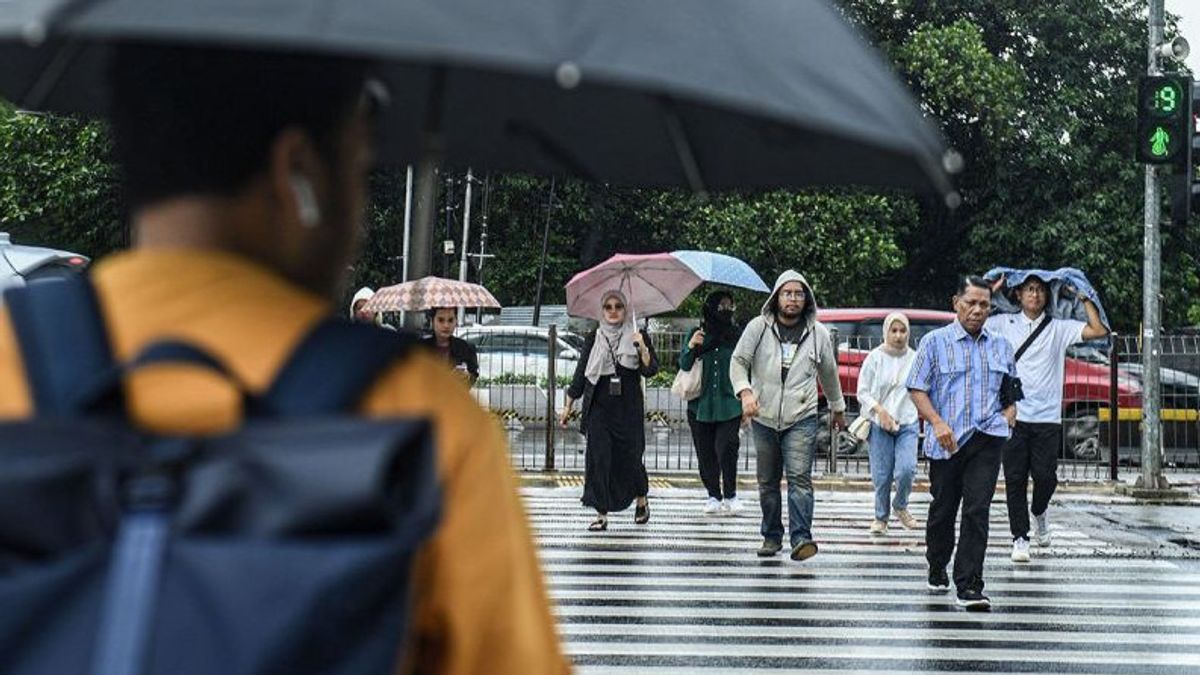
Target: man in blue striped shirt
(955,384)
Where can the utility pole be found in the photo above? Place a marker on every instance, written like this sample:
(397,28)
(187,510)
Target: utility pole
(483,237)
(462,261)
(420,260)
(1151,476)
(537,303)
(408,194)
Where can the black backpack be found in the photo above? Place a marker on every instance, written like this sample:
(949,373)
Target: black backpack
(283,547)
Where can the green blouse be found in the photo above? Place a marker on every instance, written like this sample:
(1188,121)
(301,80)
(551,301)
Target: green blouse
(717,402)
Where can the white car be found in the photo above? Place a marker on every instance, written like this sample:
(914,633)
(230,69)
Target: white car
(21,264)
(516,351)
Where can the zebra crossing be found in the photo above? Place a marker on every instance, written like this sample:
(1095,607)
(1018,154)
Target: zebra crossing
(686,594)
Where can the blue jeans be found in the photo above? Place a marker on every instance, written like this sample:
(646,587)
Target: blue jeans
(787,451)
(893,457)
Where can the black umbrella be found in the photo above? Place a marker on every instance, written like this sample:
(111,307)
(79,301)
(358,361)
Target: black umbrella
(709,94)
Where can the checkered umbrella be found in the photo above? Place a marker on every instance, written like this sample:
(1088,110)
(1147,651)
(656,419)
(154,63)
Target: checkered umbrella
(428,293)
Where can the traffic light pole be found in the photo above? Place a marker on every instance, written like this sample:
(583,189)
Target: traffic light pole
(1151,477)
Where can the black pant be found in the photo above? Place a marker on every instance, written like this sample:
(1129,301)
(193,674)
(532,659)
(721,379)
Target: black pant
(969,477)
(717,445)
(1033,449)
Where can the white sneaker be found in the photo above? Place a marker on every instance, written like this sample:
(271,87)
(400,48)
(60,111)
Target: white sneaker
(1041,530)
(878,526)
(732,506)
(712,506)
(1020,552)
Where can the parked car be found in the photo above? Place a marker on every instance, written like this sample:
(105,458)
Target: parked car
(1085,384)
(21,264)
(521,350)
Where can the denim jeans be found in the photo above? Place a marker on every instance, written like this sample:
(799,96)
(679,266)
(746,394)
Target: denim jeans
(893,458)
(787,451)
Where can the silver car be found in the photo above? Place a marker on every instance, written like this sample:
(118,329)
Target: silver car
(521,352)
(20,265)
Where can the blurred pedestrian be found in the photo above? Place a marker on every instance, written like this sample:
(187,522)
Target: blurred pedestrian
(246,177)
(357,313)
(775,368)
(715,416)
(459,353)
(1041,343)
(361,315)
(883,398)
(608,378)
(955,383)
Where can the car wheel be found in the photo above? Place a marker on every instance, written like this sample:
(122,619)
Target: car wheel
(1081,434)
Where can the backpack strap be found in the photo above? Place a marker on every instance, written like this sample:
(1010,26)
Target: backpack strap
(333,367)
(62,338)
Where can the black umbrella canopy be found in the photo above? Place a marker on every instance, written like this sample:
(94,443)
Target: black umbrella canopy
(710,94)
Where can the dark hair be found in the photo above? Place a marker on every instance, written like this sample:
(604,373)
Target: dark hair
(201,120)
(969,280)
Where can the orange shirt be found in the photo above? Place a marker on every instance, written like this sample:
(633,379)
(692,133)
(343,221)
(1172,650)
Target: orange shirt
(480,605)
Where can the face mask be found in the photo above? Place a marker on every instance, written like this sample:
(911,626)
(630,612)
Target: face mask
(726,314)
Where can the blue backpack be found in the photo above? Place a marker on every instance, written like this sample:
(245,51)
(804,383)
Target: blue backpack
(285,546)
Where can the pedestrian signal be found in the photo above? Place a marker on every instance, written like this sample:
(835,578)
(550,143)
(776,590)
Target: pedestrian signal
(1164,128)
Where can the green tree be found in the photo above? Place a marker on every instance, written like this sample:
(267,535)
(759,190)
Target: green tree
(57,185)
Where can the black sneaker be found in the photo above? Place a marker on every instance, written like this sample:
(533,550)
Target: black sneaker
(938,581)
(973,600)
(769,548)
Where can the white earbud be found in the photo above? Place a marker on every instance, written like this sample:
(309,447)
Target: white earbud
(306,201)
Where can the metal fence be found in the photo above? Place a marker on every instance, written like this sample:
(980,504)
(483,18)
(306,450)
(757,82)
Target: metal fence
(525,389)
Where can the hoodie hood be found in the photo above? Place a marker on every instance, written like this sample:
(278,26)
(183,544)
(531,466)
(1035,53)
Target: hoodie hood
(809,315)
(364,293)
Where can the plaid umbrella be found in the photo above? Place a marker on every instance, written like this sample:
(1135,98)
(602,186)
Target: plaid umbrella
(428,293)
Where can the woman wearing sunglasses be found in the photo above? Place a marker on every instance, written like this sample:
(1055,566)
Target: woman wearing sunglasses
(608,379)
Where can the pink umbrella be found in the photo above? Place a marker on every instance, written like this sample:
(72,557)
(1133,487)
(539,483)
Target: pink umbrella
(653,283)
(428,293)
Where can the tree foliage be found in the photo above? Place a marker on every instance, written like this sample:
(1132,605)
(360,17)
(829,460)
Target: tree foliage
(1038,98)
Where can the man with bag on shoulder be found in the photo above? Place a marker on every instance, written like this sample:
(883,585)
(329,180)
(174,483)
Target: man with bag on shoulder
(1041,343)
(714,413)
(955,383)
(775,368)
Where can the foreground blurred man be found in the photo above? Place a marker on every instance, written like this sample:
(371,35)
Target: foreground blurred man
(246,175)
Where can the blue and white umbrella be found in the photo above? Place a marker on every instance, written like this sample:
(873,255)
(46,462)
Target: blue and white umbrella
(718,268)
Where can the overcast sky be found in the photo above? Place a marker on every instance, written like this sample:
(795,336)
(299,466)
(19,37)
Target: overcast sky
(1189,23)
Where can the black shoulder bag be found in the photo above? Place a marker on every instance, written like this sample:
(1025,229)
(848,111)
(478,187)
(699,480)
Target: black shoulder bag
(1011,390)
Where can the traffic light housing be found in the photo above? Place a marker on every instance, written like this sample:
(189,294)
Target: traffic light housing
(1181,184)
(1165,128)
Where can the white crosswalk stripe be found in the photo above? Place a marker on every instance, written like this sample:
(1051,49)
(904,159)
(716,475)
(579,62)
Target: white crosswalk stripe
(686,594)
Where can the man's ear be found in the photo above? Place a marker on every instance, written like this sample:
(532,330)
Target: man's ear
(295,176)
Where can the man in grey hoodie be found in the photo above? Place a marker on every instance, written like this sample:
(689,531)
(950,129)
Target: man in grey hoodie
(775,369)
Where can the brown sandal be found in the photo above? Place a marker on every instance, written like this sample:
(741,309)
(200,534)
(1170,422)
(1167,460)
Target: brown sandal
(599,525)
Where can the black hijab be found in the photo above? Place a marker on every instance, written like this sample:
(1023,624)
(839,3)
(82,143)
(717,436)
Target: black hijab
(720,327)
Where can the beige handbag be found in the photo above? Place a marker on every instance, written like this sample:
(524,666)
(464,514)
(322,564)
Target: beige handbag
(689,383)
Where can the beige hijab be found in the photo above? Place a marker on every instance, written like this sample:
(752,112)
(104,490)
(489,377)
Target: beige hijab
(613,340)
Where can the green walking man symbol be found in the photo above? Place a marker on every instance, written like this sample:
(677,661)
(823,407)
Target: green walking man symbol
(1159,141)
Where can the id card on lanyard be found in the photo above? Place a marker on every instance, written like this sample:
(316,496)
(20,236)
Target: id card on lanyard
(614,380)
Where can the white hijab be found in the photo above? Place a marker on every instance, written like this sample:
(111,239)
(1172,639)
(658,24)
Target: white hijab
(613,340)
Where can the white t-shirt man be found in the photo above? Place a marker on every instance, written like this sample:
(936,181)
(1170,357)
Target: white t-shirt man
(1041,366)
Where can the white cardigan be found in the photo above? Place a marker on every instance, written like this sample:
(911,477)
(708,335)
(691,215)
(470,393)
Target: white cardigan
(881,380)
